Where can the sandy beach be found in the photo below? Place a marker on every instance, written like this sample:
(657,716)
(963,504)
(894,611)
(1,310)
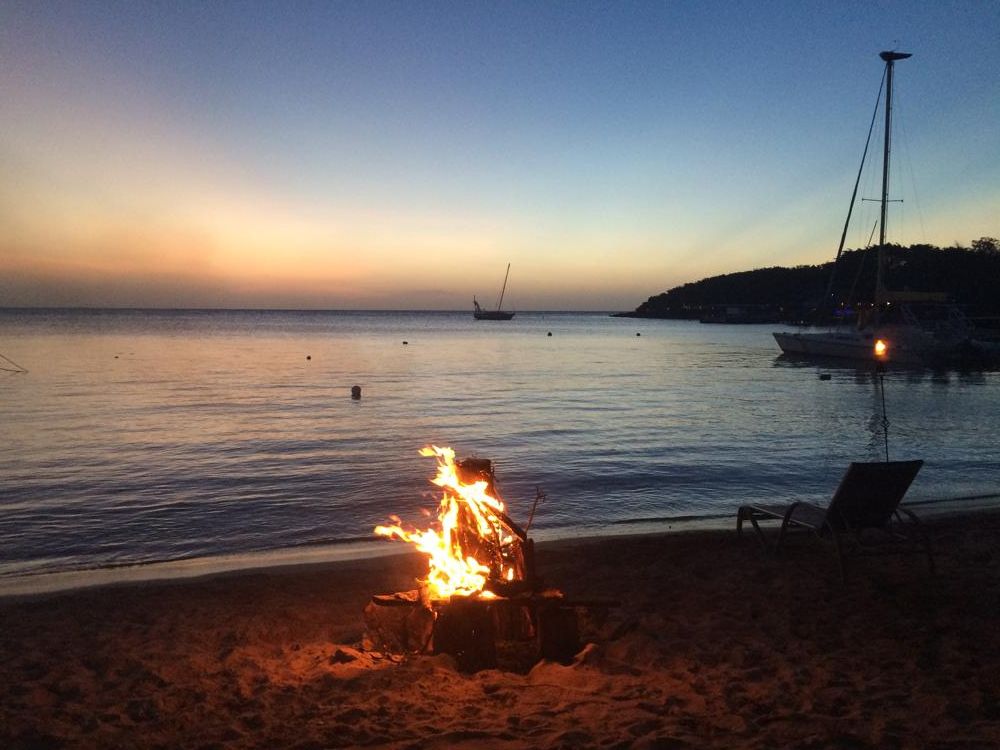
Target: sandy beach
(714,645)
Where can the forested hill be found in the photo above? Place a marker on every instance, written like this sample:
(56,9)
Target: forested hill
(970,276)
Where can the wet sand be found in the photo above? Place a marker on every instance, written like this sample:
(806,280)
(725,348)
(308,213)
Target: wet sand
(713,646)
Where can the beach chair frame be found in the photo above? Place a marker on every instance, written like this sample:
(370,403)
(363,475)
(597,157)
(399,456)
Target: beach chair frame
(865,510)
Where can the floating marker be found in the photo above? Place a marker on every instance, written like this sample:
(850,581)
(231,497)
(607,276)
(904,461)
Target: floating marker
(356,392)
(405,343)
(824,376)
(549,333)
(637,333)
(308,356)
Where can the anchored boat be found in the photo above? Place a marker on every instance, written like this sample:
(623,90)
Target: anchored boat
(917,328)
(498,314)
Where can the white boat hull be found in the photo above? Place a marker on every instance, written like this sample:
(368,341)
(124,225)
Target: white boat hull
(853,345)
(907,346)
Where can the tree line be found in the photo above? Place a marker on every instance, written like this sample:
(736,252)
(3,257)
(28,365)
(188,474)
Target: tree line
(969,276)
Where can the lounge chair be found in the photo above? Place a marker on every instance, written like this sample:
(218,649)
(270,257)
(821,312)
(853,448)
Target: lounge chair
(867,499)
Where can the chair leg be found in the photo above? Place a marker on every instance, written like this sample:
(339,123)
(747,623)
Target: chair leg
(781,535)
(841,562)
(760,534)
(925,540)
(746,514)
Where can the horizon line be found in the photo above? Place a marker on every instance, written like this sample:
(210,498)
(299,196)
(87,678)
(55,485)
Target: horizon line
(131,308)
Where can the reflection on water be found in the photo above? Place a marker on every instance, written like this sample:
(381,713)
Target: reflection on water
(878,424)
(139,436)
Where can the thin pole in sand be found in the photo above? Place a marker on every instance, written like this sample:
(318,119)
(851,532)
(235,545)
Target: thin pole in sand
(539,496)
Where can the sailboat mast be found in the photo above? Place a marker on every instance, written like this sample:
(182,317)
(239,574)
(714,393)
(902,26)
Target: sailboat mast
(504,289)
(828,297)
(890,59)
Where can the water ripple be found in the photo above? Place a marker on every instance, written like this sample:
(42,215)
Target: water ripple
(140,436)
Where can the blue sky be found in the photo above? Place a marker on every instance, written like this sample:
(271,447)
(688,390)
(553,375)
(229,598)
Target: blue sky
(398,155)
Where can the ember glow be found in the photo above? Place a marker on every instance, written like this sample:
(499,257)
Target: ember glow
(467,521)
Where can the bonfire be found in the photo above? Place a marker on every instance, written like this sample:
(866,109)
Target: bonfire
(480,588)
(475,550)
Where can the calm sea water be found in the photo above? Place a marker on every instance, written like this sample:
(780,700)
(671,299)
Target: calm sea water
(140,436)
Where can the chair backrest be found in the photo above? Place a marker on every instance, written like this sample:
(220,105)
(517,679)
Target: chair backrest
(869,493)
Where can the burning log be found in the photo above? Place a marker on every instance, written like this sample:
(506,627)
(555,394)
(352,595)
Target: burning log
(400,623)
(481,586)
(467,631)
(478,548)
(558,633)
(505,544)
(531,627)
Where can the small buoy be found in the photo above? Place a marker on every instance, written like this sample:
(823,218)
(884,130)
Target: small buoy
(116,356)
(637,333)
(549,333)
(308,356)
(405,343)
(356,392)
(824,376)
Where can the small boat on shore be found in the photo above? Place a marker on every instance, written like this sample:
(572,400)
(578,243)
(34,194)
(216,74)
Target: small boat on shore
(498,314)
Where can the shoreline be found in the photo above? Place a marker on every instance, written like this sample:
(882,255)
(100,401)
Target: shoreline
(47,583)
(713,645)
(44,583)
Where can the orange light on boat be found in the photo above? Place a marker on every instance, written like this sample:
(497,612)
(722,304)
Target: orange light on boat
(881,349)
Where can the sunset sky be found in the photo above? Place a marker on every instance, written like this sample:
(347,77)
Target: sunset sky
(397,155)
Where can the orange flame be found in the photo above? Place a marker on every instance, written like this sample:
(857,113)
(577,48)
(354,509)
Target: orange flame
(452,570)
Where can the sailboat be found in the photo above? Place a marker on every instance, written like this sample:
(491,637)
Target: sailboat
(9,365)
(916,328)
(498,314)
